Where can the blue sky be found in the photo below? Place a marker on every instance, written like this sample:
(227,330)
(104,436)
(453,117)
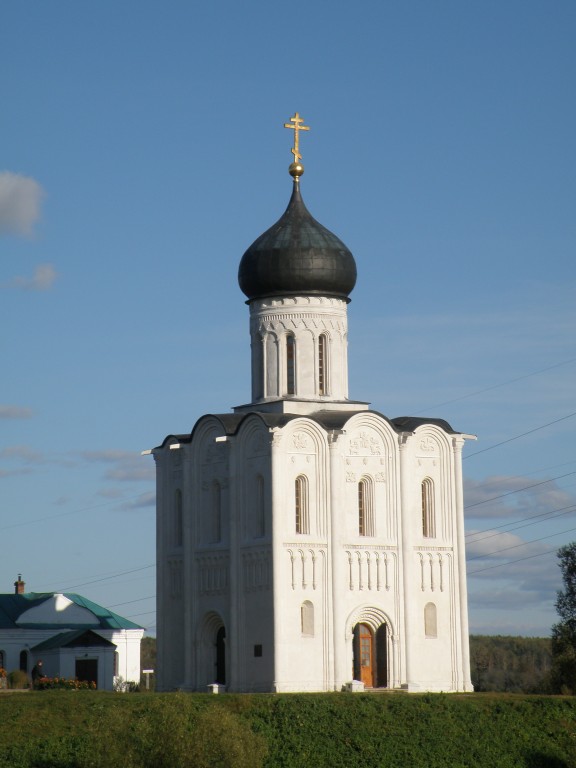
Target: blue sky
(142,151)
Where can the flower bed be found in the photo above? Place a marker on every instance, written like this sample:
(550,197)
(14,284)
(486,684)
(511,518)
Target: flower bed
(65,684)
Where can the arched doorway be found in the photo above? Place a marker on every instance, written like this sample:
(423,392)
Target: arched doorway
(370,662)
(221,656)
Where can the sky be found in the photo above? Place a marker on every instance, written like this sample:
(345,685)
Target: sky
(142,150)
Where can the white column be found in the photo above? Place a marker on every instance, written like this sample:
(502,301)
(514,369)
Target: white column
(337,564)
(408,588)
(461,585)
(278,507)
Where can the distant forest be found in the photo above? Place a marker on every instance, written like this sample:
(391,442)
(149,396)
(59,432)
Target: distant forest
(506,664)
(511,664)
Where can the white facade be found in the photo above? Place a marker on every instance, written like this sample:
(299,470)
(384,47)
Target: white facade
(304,541)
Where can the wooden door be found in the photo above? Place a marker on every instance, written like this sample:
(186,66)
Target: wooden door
(366,651)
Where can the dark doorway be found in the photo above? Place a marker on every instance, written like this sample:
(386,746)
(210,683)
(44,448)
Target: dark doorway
(87,670)
(370,661)
(221,656)
(382,656)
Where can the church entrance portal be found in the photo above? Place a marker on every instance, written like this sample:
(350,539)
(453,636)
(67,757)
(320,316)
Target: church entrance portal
(369,654)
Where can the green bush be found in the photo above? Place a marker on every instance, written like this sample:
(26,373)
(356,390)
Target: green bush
(18,679)
(97,729)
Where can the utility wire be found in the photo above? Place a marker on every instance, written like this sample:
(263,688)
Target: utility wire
(512,562)
(517,437)
(552,515)
(496,386)
(107,578)
(524,544)
(525,488)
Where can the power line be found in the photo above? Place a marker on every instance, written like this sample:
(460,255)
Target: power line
(548,515)
(496,386)
(107,578)
(524,544)
(512,562)
(525,488)
(74,511)
(517,437)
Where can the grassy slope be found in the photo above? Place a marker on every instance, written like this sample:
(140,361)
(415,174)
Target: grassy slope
(60,729)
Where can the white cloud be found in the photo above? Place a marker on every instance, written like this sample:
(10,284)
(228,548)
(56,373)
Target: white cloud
(520,498)
(20,198)
(42,279)
(22,453)
(14,412)
(126,466)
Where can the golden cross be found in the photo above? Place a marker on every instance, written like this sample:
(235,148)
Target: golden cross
(296,120)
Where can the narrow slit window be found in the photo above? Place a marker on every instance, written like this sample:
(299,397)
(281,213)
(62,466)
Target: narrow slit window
(301,504)
(260,508)
(322,365)
(428,512)
(430,620)
(216,512)
(307,618)
(178,521)
(290,365)
(365,507)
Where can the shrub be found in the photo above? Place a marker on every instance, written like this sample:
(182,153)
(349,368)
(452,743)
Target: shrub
(18,679)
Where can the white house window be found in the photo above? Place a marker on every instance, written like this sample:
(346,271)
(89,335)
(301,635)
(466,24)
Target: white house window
(301,504)
(307,618)
(178,521)
(365,507)
(430,620)
(216,512)
(428,512)
(290,365)
(323,365)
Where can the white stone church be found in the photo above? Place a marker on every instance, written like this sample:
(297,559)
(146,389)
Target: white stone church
(305,542)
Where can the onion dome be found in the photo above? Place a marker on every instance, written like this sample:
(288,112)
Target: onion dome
(297,256)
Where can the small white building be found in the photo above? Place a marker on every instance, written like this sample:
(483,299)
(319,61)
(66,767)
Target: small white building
(74,637)
(304,541)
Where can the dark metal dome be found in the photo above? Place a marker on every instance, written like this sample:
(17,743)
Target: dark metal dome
(297,256)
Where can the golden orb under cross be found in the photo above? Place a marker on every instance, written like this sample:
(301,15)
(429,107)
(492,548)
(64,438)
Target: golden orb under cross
(296,168)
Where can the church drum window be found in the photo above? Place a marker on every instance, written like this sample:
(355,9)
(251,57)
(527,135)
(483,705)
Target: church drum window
(290,365)
(322,365)
(428,511)
(301,504)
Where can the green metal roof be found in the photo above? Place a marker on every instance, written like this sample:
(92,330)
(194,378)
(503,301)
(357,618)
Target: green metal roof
(84,638)
(12,606)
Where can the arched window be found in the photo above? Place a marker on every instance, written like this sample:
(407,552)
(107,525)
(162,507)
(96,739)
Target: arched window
(178,521)
(428,512)
(260,527)
(323,365)
(24,661)
(365,507)
(216,512)
(307,618)
(116,663)
(301,504)
(290,365)
(430,620)
(3,659)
